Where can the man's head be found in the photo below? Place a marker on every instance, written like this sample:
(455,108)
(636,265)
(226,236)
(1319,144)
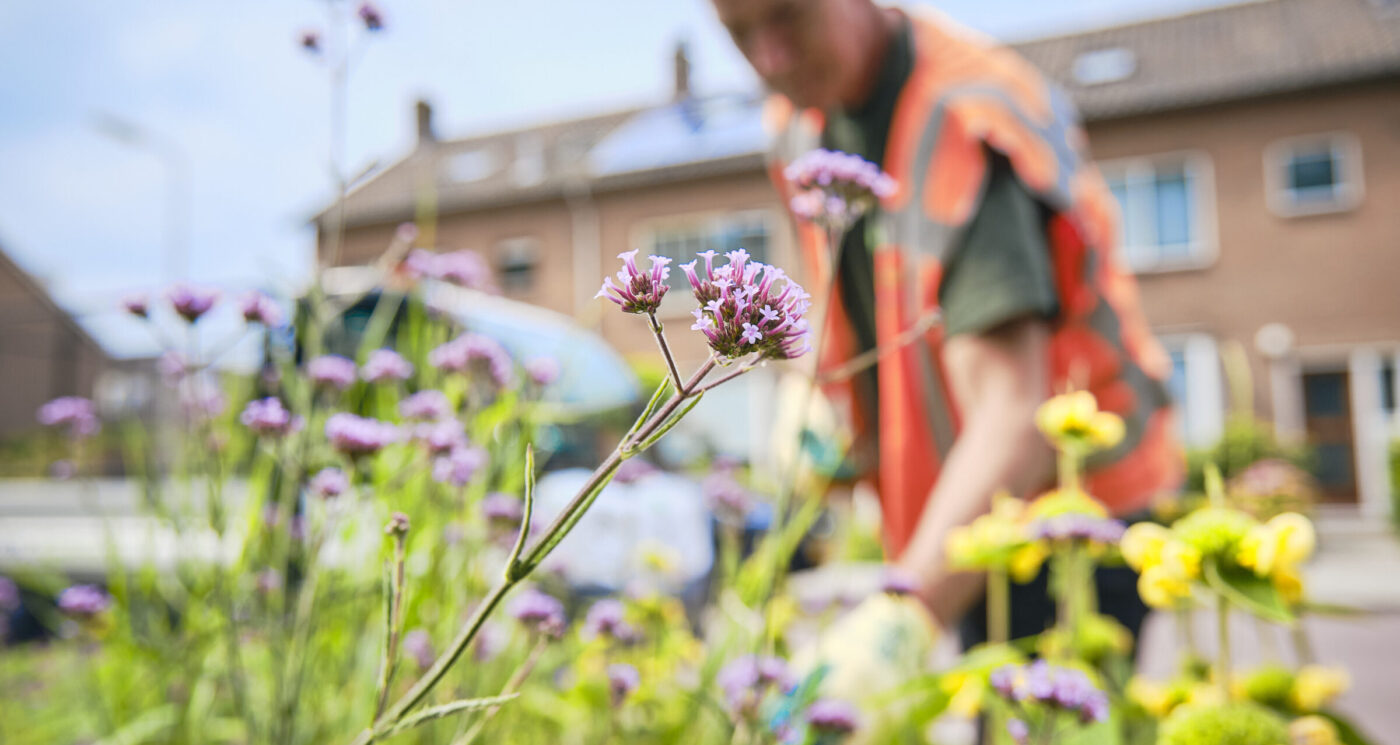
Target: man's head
(815,52)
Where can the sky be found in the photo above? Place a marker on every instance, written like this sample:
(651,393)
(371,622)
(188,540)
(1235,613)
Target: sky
(227,86)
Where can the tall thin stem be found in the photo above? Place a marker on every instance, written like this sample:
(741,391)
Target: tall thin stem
(998,606)
(1222,669)
(665,350)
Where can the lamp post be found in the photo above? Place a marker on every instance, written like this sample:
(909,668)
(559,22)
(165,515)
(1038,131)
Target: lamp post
(176,165)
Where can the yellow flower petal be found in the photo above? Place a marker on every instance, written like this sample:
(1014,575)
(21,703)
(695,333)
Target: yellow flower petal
(1142,545)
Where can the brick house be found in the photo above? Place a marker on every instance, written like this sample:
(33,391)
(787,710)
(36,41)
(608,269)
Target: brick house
(1254,148)
(43,352)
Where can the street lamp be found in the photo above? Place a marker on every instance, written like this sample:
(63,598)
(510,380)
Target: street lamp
(177,176)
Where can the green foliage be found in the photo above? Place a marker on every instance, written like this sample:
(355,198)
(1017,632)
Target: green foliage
(1230,724)
(1246,441)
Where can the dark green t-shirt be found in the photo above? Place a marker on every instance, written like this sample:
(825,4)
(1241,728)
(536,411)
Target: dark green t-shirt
(997,272)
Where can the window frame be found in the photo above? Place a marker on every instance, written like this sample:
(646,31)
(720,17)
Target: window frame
(678,303)
(1204,247)
(1203,411)
(1349,181)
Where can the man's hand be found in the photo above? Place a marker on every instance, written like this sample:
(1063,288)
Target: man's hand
(998,379)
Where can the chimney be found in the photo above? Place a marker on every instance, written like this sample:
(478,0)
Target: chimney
(423,112)
(682,62)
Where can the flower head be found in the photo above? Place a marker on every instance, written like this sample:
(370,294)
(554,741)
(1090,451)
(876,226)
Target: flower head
(192,302)
(311,41)
(542,371)
(329,482)
(459,465)
(502,509)
(386,364)
(75,413)
(474,355)
(747,307)
(269,418)
(425,406)
(746,680)
(358,436)
(897,582)
(833,717)
(137,305)
(607,618)
(84,601)
(1313,729)
(332,371)
(1078,527)
(1281,544)
(397,525)
(834,189)
(726,497)
(1073,421)
(259,308)
(539,612)
(419,646)
(622,680)
(1056,687)
(370,15)
(637,291)
(1315,686)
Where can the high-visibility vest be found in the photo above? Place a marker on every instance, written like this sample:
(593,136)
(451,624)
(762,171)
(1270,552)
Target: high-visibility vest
(966,94)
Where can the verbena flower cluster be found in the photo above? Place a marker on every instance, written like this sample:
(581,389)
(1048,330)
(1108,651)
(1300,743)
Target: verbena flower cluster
(358,436)
(192,302)
(474,355)
(1059,688)
(462,268)
(386,364)
(834,189)
(1077,526)
(75,413)
(539,612)
(332,371)
(747,680)
(637,291)
(84,601)
(269,418)
(748,307)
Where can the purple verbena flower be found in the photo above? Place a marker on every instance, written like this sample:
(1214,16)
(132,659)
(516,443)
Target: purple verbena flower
(419,646)
(833,717)
(1061,688)
(1077,526)
(202,402)
(358,436)
(269,581)
(727,498)
(638,291)
(473,354)
(332,371)
(84,601)
(259,308)
(502,509)
(192,302)
(441,437)
(386,364)
(311,41)
(372,18)
(137,305)
(458,466)
(833,189)
(542,370)
(539,612)
(269,418)
(464,269)
(746,680)
(425,406)
(75,413)
(622,680)
(897,582)
(607,618)
(1018,730)
(397,525)
(328,483)
(748,307)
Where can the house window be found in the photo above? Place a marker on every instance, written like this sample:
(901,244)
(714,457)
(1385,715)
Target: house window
(516,261)
(1314,175)
(680,240)
(1197,388)
(1165,210)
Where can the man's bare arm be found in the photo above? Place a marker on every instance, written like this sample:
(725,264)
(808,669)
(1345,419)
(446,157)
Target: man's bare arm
(998,379)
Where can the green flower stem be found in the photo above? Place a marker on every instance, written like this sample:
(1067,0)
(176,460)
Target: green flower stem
(516,680)
(1068,462)
(395,625)
(998,606)
(521,569)
(665,350)
(1222,668)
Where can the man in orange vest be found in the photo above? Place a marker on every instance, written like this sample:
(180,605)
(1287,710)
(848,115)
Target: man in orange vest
(1000,225)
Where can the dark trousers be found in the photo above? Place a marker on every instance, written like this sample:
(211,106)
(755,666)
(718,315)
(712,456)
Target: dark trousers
(1033,610)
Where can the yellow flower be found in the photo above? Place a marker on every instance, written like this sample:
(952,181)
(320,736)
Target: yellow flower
(1313,730)
(1063,502)
(1214,531)
(1181,560)
(1156,699)
(1316,685)
(1161,588)
(1067,416)
(989,540)
(1105,430)
(1142,545)
(1026,561)
(1289,584)
(1284,542)
(966,689)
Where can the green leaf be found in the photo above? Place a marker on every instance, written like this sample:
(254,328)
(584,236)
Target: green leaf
(1347,731)
(456,707)
(1248,591)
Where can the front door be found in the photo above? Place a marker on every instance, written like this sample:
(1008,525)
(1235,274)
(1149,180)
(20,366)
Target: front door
(1327,407)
